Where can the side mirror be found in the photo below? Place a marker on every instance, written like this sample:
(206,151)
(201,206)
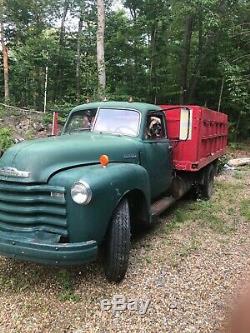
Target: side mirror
(185,124)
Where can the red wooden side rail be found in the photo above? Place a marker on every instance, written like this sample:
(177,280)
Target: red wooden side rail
(207,136)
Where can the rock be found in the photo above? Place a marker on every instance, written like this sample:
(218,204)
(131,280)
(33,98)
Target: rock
(173,306)
(40,128)
(23,125)
(228,167)
(18,138)
(239,161)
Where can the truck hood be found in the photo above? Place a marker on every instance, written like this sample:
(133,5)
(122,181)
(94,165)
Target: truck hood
(37,160)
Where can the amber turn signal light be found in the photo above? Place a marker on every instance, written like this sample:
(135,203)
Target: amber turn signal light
(104,160)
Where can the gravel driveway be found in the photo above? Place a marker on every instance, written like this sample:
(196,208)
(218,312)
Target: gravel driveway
(188,266)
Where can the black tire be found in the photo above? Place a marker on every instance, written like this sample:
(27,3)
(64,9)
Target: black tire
(207,188)
(117,245)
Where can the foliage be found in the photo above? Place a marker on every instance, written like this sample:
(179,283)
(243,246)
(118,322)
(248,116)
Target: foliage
(5,138)
(222,161)
(147,53)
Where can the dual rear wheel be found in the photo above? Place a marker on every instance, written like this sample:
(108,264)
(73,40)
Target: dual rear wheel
(206,188)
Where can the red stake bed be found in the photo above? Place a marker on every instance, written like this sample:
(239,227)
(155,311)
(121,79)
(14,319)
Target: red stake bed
(203,133)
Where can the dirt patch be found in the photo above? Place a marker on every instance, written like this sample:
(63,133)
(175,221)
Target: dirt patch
(189,267)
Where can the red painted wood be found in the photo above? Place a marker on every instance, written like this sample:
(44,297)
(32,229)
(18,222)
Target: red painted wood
(208,141)
(55,124)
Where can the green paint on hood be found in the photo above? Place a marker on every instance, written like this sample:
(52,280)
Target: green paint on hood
(44,157)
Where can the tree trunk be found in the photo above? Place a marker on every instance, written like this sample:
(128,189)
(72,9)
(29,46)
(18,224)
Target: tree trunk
(185,58)
(152,76)
(205,43)
(199,57)
(100,48)
(5,66)
(78,55)
(61,45)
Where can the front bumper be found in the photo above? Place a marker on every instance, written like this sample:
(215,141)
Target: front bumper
(46,253)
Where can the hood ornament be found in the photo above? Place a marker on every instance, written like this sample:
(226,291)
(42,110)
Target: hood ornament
(13,172)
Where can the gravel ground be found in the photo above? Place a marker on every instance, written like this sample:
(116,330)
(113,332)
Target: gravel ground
(189,266)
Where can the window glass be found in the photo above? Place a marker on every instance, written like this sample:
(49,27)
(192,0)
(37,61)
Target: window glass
(117,121)
(155,127)
(81,121)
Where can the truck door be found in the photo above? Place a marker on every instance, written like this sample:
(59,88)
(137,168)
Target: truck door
(157,157)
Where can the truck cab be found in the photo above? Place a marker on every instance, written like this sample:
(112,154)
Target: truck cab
(64,198)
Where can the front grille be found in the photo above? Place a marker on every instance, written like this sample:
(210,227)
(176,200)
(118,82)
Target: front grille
(25,207)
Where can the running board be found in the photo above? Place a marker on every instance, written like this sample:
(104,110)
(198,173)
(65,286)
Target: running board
(159,206)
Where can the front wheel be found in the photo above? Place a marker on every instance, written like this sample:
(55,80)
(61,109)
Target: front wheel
(117,246)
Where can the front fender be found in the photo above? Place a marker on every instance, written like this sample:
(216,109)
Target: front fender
(108,184)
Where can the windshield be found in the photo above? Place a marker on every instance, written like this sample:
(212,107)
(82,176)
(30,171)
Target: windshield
(106,120)
(81,121)
(117,121)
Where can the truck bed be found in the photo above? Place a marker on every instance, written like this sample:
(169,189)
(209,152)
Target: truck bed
(206,139)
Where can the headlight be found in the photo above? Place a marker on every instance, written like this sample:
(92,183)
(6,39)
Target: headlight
(81,193)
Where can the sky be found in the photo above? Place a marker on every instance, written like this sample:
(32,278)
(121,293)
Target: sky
(117,4)
(72,22)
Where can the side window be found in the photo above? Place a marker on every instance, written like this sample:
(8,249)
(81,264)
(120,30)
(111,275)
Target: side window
(81,120)
(155,128)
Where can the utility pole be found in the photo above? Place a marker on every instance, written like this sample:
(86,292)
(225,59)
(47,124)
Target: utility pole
(221,92)
(45,89)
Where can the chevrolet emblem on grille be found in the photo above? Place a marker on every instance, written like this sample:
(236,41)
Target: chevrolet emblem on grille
(13,172)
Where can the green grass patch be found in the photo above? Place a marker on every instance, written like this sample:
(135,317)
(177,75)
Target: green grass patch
(238,175)
(245,208)
(178,219)
(13,283)
(30,134)
(205,213)
(228,187)
(188,248)
(67,292)
(210,214)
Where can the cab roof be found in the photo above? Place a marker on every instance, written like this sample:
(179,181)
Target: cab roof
(142,107)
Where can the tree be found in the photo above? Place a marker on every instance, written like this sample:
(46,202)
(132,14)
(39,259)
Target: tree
(100,47)
(60,67)
(5,55)
(185,58)
(78,52)
(158,51)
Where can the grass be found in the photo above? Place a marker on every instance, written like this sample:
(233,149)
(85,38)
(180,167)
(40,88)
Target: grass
(220,215)
(67,292)
(188,248)
(238,175)
(13,283)
(210,214)
(183,251)
(245,208)
(239,146)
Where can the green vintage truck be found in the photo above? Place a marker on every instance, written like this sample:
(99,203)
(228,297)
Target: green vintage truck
(64,198)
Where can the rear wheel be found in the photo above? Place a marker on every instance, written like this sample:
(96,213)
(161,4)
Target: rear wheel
(117,246)
(207,188)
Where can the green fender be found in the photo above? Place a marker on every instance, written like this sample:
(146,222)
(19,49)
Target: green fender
(109,185)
